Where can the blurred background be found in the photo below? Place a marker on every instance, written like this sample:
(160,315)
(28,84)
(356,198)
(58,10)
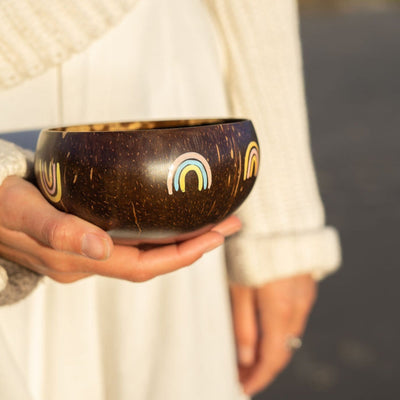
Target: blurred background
(351,349)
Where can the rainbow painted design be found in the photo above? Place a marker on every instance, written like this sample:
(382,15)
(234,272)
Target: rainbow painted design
(251,161)
(184,164)
(50,178)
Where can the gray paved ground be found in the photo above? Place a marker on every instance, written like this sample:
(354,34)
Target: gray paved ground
(352,347)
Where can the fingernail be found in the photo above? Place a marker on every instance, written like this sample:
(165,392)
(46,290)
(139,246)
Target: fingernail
(217,241)
(245,355)
(95,247)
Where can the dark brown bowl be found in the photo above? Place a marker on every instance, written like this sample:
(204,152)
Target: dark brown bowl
(156,181)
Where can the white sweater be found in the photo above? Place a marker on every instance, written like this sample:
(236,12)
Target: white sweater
(284,231)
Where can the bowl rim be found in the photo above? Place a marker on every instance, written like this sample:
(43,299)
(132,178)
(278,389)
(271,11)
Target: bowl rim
(148,125)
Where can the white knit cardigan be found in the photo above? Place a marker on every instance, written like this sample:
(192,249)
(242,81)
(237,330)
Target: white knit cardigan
(284,231)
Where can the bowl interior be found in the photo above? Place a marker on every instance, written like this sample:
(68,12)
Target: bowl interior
(145,125)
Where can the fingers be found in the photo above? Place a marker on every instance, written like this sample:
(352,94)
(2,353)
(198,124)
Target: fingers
(133,264)
(306,294)
(244,323)
(273,355)
(283,307)
(34,264)
(24,209)
(229,226)
(62,231)
(136,265)
(57,241)
(165,259)
(126,262)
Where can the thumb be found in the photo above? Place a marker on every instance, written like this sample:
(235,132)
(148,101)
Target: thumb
(244,323)
(24,209)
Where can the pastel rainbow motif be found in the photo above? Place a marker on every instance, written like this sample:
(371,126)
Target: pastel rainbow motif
(50,178)
(184,164)
(251,161)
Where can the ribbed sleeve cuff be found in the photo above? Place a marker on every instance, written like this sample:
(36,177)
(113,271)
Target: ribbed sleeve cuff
(16,282)
(14,161)
(255,260)
(3,279)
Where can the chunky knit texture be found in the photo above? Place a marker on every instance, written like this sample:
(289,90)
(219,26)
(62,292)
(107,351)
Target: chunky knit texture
(38,34)
(284,230)
(3,277)
(12,161)
(16,282)
(283,218)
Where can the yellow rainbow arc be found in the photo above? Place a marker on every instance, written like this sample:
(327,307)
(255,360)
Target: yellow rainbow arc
(251,161)
(184,172)
(50,178)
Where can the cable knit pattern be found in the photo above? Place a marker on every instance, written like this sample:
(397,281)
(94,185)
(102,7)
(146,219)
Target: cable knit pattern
(283,218)
(38,34)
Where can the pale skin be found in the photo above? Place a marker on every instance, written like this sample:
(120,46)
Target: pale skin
(66,248)
(263,319)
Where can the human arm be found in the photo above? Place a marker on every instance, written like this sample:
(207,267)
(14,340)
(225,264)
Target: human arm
(265,318)
(284,242)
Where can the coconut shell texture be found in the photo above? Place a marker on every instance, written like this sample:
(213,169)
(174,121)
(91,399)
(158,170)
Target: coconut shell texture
(156,181)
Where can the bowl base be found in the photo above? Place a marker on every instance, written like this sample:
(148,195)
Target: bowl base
(129,238)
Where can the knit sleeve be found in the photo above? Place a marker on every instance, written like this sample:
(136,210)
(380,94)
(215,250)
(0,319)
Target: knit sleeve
(38,34)
(14,160)
(284,231)
(16,282)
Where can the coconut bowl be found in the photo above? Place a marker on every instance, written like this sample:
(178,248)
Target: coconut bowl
(149,182)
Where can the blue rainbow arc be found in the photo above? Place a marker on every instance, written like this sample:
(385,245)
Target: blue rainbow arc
(182,167)
(184,164)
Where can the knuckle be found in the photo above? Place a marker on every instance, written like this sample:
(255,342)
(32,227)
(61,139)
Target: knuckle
(58,265)
(49,232)
(66,267)
(56,231)
(141,274)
